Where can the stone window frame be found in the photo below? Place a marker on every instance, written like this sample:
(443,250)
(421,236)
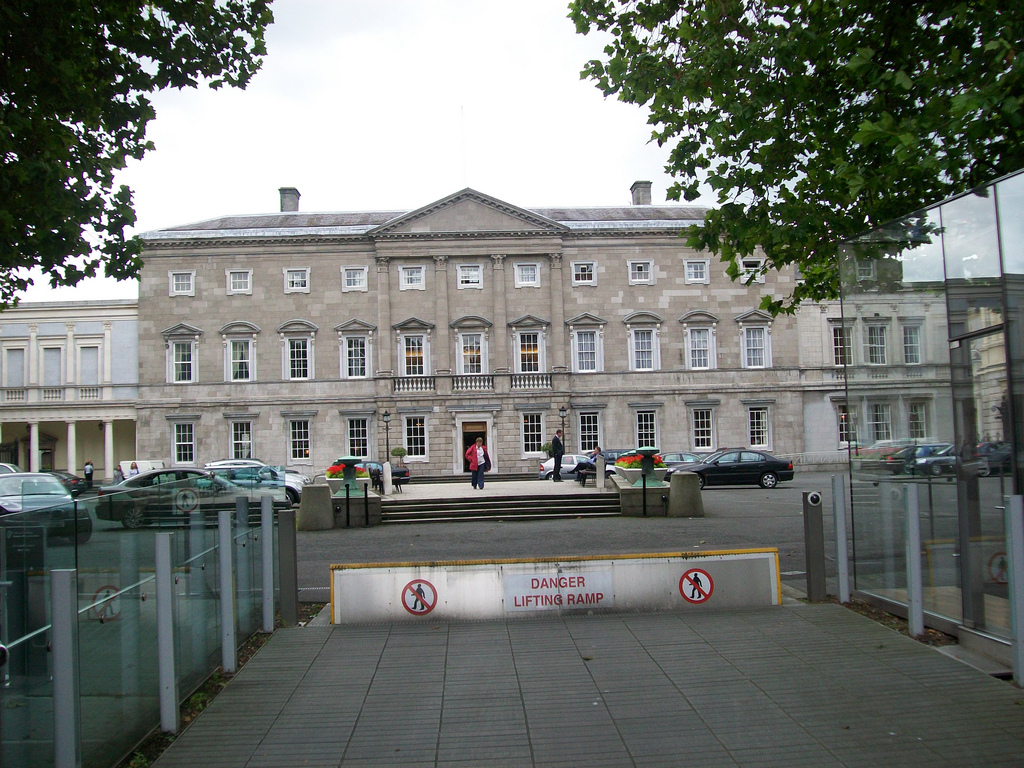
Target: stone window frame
(287,273)
(230,273)
(175,288)
(363,284)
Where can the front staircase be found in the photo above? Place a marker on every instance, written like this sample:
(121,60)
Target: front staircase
(504,508)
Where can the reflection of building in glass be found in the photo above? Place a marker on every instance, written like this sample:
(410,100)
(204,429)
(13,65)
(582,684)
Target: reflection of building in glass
(933,389)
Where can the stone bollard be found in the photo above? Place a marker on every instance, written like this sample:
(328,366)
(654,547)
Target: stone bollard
(684,495)
(316,510)
(599,478)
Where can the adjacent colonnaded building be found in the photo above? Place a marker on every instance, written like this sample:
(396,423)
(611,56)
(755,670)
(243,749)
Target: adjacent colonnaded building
(288,336)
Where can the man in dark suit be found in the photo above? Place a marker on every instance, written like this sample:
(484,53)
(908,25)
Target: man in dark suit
(557,451)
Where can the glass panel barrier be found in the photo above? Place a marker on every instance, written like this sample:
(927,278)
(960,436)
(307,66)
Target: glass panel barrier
(110,539)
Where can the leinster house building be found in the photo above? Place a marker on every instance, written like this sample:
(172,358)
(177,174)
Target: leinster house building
(300,337)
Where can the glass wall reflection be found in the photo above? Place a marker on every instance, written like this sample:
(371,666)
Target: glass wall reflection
(933,307)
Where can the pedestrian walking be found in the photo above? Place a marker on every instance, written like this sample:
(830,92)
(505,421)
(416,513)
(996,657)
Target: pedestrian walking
(557,451)
(479,462)
(87,471)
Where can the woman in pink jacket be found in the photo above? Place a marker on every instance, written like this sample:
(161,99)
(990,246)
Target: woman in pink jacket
(479,462)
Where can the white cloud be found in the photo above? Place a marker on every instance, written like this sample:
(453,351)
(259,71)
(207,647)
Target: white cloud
(391,105)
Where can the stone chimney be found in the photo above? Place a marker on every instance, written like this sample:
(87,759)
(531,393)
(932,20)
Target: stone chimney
(290,198)
(641,192)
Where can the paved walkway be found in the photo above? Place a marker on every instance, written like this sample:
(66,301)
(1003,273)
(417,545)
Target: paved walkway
(790,686)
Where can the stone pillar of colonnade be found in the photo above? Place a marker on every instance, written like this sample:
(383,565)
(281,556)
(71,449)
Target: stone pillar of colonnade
(108,451)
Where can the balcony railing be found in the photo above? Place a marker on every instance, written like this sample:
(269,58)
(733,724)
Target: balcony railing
(88,393)
(414,384)
(531,381)
(14,395)
(52,394)
(473,383)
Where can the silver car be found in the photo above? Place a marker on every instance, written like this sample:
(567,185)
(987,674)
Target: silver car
(569,462)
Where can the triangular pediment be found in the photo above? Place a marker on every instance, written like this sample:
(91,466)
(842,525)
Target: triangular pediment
(471,321)
(585,318)
(468,212)
(698,316)
(355,325)
(528,321)
(181,329)
(754,316)
(413,324)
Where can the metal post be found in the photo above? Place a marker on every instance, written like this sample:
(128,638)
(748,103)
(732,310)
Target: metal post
(348,507)
(67,725)
(915,587)
(842,551)
(267,527)
(644,478)
(167,674)
(1015,549)
(288,563)
(814,546)
(366,508)
(228,648)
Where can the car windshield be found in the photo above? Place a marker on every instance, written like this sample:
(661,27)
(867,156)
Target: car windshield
(36,486)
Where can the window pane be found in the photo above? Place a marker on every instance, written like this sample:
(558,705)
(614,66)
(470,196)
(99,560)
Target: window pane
(645,432)
(912,344)
(589,437)
(917,421)
(700,348)
(472,353)
(414,356)
(702,428)
(757,427)
(184,444)
(241,440)
(643,350)
(876,345)
(358,438)
(878,421)
(239,360)
(182,361)
(586,350)
(298,355)
(533,437)
(583,272)
(529,352)
(299,439)
(754,347)
(356,356)
(841,345)
(416,436)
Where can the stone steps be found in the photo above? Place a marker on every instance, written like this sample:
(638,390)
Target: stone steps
(506,508)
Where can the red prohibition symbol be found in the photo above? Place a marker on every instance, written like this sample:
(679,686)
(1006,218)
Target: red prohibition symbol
(696,585)
(419,597)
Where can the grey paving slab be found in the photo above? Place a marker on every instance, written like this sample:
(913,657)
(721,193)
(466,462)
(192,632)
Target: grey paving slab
(789,686)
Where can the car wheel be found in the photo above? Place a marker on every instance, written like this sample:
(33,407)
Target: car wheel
(293,497)
(701,481)
(133,518)
(935,469)
(769,480)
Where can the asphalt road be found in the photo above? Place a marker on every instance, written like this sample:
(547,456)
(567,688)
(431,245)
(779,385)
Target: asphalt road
(735,518)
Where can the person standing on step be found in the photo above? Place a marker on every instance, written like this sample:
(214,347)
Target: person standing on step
(557,451)
(87,471)
(479,462)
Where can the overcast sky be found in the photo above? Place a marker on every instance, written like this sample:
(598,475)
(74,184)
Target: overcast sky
(391,105)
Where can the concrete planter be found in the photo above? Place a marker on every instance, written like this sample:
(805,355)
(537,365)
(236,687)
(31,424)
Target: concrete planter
(635,478)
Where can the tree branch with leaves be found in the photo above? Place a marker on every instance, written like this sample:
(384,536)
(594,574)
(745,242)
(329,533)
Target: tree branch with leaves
(816,120)
(75,76)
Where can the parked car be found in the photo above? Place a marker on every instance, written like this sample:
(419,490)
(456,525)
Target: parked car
(999,457)
(6,469)
(72,482)
(569,462)
(673,459)
(920,459)
(43,500)
(740,466)
(174,495)
(293,481)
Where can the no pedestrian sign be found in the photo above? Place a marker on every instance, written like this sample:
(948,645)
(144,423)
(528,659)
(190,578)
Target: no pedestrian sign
(696,586)
(419,597)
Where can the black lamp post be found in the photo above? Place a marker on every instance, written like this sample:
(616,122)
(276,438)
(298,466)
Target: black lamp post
(562,413)
(386,416)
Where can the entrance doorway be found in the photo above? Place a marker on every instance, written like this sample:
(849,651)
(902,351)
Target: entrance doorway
(471,430)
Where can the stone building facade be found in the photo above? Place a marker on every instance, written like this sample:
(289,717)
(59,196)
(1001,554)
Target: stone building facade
(69,373)
(299,337)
